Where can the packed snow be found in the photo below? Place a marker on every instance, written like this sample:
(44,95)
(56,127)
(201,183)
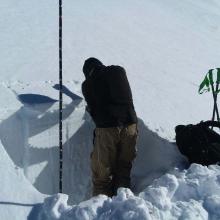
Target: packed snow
(166,48)
(188,194)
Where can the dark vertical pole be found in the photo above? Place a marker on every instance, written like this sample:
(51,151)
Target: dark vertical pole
(60,100)
(215,108)
(215,100)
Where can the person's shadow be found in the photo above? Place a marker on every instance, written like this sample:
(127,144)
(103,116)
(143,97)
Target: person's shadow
(18,132)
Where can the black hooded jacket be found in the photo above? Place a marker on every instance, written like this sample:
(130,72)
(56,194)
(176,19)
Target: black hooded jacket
(108,96)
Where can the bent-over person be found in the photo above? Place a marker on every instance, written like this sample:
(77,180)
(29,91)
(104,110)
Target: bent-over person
(109,102)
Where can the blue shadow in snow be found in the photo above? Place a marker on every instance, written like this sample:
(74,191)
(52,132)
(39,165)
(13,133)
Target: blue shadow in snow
(41,99)
(35,99)
(36,212)
(67,92)
(16,204)
(32,119)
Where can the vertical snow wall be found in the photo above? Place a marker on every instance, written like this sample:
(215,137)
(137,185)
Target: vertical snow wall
(30,137)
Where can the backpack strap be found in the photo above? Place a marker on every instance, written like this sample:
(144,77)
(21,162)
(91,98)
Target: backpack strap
(210,123)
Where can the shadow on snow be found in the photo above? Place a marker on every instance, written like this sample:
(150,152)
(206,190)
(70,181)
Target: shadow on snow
(154,158)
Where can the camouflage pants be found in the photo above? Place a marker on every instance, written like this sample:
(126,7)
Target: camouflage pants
(111,159)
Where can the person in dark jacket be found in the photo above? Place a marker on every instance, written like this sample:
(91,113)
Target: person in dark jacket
(109,101)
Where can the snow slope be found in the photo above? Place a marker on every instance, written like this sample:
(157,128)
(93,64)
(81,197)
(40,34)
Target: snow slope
(166,48)
(18,196)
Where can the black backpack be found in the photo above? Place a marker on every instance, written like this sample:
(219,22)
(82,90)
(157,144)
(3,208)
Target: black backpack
(199,143)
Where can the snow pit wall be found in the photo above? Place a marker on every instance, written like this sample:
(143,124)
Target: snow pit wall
(30,136)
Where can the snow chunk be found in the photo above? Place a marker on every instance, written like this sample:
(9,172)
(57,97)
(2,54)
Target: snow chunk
(125,206)
(189,210)
(212,205)
(57,204)
(189,194)
(55,207)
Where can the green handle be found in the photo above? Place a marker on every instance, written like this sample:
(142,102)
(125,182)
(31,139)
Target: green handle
(208,81)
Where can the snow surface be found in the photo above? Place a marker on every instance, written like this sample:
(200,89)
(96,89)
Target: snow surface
(166,48)
(18,196)
(188,194)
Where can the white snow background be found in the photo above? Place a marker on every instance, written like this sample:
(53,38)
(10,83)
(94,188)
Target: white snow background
(166,48)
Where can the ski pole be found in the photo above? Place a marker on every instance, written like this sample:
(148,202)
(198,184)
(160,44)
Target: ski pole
(215,108)
(216,105)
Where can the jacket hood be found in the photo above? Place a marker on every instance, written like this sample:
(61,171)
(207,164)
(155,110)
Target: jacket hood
(90,64)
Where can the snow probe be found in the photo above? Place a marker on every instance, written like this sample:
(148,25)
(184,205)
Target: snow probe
(60,100)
